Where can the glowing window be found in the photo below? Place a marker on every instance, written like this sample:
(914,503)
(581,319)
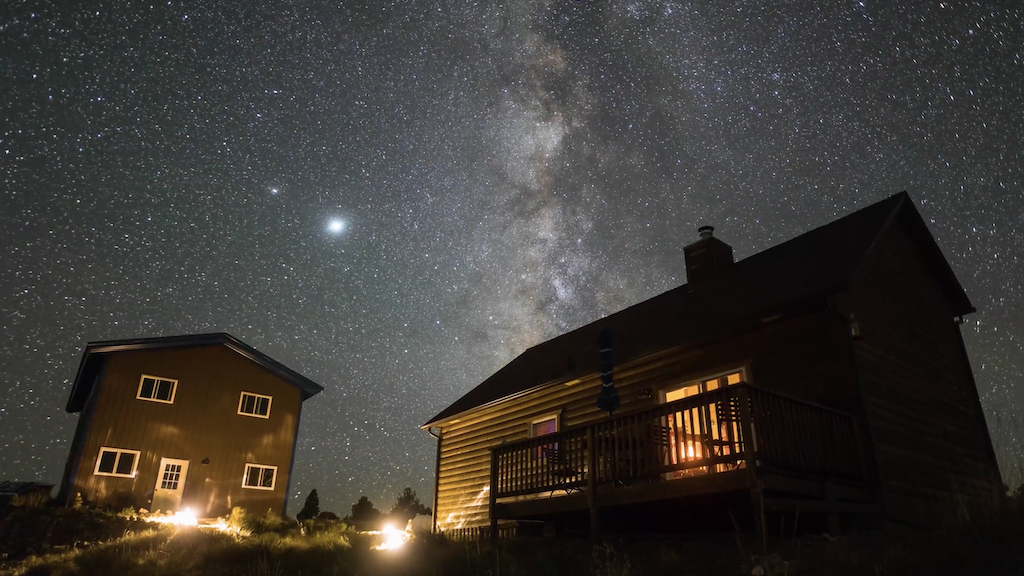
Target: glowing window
(259,477)
(257,405)
(156,389)
(700,431)
(705,385)
(548,425)
(117,462)
(541,427)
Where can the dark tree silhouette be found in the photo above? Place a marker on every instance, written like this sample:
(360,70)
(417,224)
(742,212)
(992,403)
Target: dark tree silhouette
(408,506)
(311,509)
(364,511)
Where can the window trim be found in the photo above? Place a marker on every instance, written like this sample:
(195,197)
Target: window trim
(142,380)
(744,371)
(556,416)
(241,401)
(118,451)
(251,465)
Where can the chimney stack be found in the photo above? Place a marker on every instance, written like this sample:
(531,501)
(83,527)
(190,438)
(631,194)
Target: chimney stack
(708,260)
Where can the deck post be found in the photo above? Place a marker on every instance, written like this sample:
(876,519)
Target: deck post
(492,497)
(750,458)
(595,514)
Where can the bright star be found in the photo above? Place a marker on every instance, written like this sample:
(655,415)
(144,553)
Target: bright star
(336,226)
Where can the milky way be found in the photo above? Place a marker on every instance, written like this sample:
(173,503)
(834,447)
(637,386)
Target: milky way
(500,173)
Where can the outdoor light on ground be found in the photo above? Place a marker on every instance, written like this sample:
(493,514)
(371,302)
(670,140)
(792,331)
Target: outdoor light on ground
(391,538)
(180,518)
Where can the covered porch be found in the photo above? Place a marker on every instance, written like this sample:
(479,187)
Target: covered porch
(781,451)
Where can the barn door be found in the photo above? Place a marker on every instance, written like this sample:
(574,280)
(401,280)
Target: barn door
(170,483)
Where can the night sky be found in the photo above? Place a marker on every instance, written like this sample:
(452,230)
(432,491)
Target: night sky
(396,198)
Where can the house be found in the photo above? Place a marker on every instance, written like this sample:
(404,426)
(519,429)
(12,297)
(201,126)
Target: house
(825,375)
(203,422)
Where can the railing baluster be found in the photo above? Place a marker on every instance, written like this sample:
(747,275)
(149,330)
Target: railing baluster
(782,432)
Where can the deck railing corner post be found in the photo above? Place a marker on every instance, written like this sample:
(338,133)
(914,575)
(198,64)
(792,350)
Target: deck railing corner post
(744,397)
(595,515)
(493,497)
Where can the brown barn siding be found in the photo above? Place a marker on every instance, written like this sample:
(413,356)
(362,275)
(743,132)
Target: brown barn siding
(202,423)
(799,356)
(928,427)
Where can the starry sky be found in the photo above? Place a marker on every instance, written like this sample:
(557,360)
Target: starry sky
(396,198)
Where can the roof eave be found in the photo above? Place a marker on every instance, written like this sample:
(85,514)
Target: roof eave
(810,300)
(95,351)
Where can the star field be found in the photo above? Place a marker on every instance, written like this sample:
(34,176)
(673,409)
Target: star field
(396,198)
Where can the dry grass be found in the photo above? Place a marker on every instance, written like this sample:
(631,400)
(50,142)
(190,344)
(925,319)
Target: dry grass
(976,540)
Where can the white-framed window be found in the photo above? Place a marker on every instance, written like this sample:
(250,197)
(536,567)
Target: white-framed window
(117,462)
(692,388)
(547,424)
(703,430)
(542,426)
(256,405)
(157,389)
(171,476)
(259,477)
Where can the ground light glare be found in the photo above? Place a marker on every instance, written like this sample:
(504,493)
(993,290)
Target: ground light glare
(516,169)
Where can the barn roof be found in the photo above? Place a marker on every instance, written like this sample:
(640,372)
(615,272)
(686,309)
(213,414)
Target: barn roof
(808,268)
(96,353)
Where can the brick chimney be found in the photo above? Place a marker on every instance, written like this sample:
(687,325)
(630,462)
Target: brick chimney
(708,260)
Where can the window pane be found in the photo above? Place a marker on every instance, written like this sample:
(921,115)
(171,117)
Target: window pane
(147,388)
(268,478)
(544,427)
(172,472)
(163,390)
(107,459)
(734,378)
(248,403)
(125,463)
(262,406)
(252,476)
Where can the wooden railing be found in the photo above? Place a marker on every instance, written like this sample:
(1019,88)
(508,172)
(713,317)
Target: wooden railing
(804,437)
(730,428)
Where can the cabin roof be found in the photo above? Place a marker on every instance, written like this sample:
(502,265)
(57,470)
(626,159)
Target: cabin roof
(808,268)
(96,353)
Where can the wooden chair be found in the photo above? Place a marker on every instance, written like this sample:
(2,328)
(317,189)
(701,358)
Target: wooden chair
(727,413)
(659,442)
(562,473)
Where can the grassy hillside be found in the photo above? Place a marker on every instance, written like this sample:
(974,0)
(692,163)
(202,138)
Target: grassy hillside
(36,541)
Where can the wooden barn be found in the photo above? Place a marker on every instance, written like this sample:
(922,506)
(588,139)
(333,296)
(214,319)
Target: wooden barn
(203,422)
(826,375)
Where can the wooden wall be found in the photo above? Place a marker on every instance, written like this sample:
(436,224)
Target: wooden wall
(927,423)
(202,423)
(802,355)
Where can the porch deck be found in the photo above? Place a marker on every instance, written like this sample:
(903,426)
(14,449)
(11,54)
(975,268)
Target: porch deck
(734,439)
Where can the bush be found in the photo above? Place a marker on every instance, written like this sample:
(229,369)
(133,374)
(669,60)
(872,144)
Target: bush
(27,531)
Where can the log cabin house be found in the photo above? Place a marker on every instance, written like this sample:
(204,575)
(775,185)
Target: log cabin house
(203,422)
(825,375)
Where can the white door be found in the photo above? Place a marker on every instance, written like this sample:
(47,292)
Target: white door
(170,483)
